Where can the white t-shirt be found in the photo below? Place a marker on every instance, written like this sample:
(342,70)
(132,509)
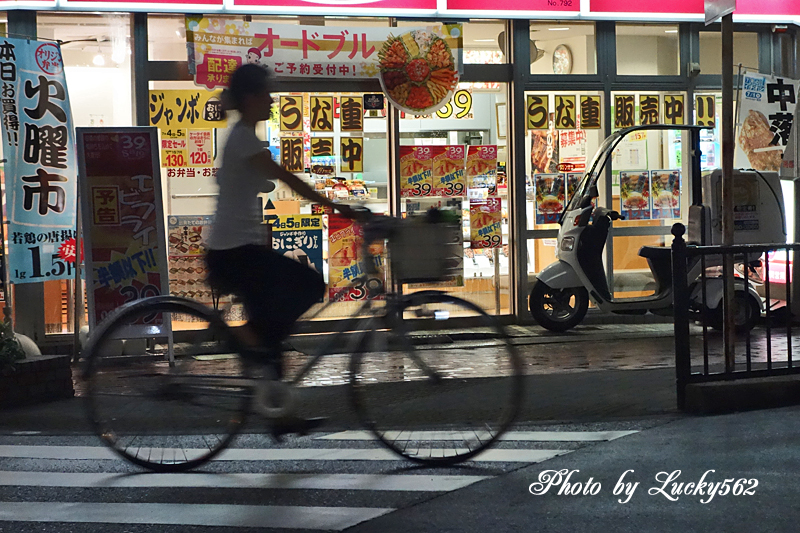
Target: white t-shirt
(237,221)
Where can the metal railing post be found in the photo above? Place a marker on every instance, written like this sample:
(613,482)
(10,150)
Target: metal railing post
(680,304)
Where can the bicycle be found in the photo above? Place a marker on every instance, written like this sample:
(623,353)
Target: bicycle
(173,417)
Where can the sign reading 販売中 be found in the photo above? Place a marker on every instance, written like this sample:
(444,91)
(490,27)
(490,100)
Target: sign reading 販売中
(766,114)
(218,46)
(40,171)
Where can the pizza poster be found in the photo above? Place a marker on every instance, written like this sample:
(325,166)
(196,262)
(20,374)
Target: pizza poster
(186,238)
(347,280)
(550,197)
(665,187)
(485,223)
(449,170)
(415,171)
(482,168)
(635,194)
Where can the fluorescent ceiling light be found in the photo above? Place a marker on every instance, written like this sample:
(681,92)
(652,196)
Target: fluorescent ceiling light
(670,31)
(558,29)
(99,60)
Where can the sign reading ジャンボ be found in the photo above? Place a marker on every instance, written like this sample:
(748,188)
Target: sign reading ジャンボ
(40,168)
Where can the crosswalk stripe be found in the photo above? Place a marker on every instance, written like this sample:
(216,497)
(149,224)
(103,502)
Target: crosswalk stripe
(271,454)
(378,482)
(257,516)
(545,436)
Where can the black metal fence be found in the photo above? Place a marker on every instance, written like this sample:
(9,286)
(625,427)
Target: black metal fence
(763,287)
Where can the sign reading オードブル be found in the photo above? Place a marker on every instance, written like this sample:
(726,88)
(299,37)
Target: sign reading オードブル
(40,171)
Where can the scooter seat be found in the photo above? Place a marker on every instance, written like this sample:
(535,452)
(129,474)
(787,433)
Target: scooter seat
(656,253)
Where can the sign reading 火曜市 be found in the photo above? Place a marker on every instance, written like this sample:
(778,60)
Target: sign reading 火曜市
(38,144)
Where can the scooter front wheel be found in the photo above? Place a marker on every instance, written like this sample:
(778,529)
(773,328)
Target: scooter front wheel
(558,309)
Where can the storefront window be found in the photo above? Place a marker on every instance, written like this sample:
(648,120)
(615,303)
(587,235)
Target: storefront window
(464,146)
(97,64)
(648,50)
(563,48)
(745,51)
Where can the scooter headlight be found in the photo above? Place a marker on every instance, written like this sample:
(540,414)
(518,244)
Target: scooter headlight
(567,244)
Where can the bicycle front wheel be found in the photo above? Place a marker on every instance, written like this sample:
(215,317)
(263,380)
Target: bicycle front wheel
(164,417)
(432,399)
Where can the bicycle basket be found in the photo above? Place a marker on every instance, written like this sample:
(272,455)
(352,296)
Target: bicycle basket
(422,251)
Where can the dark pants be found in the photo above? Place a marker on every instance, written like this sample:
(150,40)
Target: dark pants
(275,290)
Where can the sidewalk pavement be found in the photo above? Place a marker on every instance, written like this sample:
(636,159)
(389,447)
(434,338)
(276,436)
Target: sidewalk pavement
(756,452)
(593,373)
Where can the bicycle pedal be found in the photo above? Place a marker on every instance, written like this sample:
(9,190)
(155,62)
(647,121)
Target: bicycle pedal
(273,399)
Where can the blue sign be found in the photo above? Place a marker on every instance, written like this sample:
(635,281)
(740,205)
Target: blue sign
(39,145)
(300,238)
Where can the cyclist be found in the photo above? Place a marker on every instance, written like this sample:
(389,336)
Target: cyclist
(274,289)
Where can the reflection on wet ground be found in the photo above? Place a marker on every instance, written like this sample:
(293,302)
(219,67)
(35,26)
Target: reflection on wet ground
(546,354)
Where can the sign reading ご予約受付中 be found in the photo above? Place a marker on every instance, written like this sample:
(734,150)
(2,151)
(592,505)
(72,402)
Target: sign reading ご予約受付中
(40,173)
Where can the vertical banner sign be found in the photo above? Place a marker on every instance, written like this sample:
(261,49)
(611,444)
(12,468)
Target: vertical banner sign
(482,168)
(566,112)
(321,113)
(292,154)
(121,203)
(550,197)
(352,154)
(666,193)
(590,113)
(323,161)
(635,194)
(766,117)
(449,170)
(291,113)
(485,223)
(40,171)
(705,106)
(345,263)
(624,107)
(415,170)
(186,238)
(351,113)
(649,107)
(537,108)
(299,237)
(674,110)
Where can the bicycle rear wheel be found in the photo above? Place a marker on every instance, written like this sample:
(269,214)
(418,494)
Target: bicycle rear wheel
(162,417)
(444,402)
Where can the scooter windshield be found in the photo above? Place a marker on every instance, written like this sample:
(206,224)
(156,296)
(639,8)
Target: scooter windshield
(593,171)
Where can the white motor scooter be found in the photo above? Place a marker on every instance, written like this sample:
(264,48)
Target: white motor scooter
(560,295)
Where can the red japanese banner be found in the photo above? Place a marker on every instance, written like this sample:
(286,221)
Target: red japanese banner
(126,253)
(693,7)
(217,46)
(547,6)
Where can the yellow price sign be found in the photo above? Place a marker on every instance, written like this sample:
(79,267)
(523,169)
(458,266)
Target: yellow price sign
(674,109)
(705,106)
(536,110)
(461,100)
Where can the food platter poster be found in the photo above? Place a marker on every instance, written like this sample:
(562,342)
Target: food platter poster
(766,114)
(666,193)
(416,164)
(550,197)
(449,170)
(485,223)
(635,194)
(482,167)
(299,237)
(345,263)
(186,238)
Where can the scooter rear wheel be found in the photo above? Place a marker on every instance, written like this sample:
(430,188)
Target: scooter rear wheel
(558,309)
